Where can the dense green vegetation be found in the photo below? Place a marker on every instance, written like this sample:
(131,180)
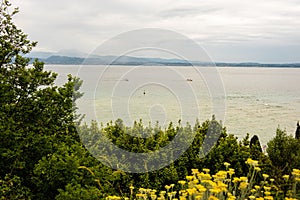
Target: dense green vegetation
(43,157)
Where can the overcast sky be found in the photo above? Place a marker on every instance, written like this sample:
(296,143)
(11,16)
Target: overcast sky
(229,30)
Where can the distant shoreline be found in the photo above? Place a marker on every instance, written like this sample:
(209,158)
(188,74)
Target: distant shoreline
(137,61)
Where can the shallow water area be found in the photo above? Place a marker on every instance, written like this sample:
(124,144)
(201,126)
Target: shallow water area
(257,100)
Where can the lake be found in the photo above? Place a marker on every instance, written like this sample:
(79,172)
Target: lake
(247,100)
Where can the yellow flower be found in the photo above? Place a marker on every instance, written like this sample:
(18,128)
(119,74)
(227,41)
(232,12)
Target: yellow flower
(243,185)
(198,197)
(212,198)
(181,182)
(253,190)
(267,188)
(251,197)
(257,169)
(189,178)
(206,170)
(251,162)
(191,191)
(226,164)
(272,179)
(201,188)
(230,171)
(257,187)
(231,198)
(296,172)
(167,187)
(286,177)
(243,178)
(269,197)
(182,193)
(195,181)
(195,171)
(203,176)
(148,191)
(141,190)
(222,186)
(260,198)
(267,193)
(140,195)
(215,190)
(236,180)
(220,175)
(210,182)
(265,176)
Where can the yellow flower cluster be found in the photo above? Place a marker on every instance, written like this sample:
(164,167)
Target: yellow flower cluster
(251,162)
(148,194)
(201,185)
(296,174)
(113,198)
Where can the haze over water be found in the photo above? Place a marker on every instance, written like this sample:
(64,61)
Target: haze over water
(257,100)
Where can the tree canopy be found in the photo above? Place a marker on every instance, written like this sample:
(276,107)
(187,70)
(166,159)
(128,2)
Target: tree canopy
(35,115)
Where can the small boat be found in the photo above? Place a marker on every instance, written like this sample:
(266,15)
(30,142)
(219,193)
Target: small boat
(189,79)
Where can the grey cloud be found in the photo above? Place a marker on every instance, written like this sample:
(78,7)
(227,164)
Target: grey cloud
(187,12)
(82,25)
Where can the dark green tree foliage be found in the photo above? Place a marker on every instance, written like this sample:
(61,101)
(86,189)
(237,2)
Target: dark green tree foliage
(225,149)
(77,192)
(284,155)
(297,134)
(255,147)
(284,152)
(36,116)
(11,187)
(61,168)
(255,144)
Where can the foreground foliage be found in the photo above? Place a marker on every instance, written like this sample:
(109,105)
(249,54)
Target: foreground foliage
(222,185)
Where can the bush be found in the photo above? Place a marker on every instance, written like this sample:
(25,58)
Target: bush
(284,152)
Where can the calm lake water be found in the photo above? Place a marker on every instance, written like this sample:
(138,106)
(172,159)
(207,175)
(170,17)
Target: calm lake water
(247,100)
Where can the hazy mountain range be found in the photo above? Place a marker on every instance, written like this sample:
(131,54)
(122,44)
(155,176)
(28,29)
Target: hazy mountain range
(73,57)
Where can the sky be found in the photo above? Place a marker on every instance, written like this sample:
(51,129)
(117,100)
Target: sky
(229,30)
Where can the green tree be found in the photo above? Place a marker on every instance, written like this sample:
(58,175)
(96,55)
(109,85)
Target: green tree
(65,167)
(11,188)
(284,152)
(35,115)
(77,192)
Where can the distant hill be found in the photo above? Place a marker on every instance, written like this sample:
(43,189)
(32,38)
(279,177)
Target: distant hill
(51,58)
(110,60)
